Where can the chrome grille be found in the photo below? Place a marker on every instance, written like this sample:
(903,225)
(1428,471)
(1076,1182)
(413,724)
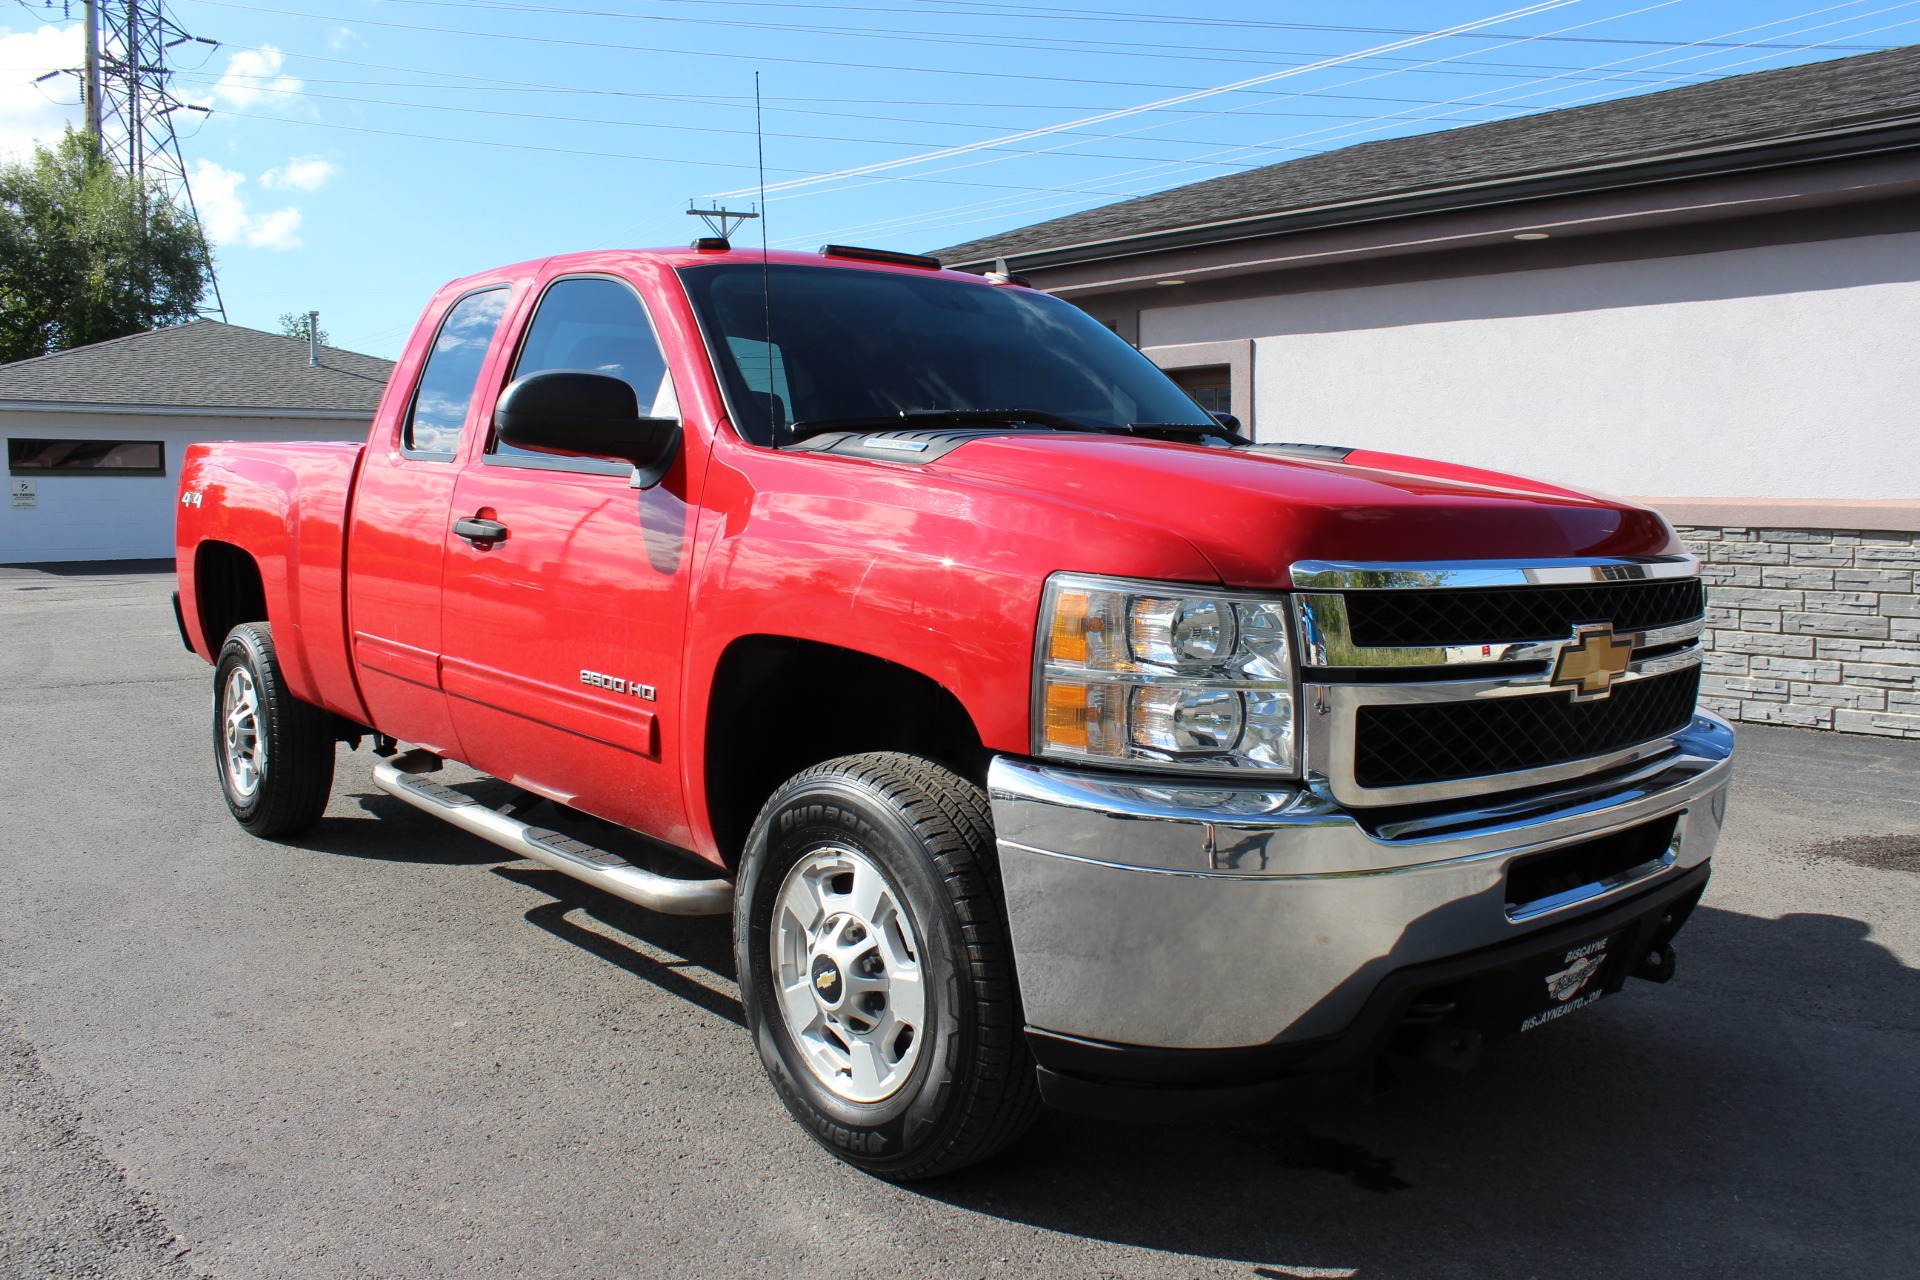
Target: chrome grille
(1433,681)
(1397,746)
(1504,615)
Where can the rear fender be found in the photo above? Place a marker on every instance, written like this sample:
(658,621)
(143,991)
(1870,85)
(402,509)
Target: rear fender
(283,507)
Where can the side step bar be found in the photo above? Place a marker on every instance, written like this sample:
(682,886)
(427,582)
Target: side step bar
(551,849)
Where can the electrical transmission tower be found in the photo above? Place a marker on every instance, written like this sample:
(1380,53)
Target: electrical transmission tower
(126,88)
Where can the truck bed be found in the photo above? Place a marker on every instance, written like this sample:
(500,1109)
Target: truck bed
(284,505)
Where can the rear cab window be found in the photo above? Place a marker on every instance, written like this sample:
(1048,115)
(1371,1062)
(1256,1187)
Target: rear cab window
(445,392)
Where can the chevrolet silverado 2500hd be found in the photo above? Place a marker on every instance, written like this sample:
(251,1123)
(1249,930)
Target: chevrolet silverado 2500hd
(1046,738)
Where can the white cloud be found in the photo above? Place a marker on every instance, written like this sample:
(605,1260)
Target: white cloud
(30,112)
(253,75)
(302,173)
(225,217)
(344,38)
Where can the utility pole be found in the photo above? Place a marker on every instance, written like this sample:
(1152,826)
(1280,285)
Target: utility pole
(130,107)
(90,89)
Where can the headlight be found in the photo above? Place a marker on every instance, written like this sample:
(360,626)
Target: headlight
(1147,673)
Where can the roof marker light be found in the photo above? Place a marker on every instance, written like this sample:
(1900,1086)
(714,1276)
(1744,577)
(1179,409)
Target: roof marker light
(880,255)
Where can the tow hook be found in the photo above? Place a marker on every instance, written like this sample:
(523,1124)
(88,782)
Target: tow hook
(1655,966)
(1455,1048)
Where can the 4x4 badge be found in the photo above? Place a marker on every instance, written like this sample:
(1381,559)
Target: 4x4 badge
(1589,665)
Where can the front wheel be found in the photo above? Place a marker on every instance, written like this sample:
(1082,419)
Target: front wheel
(273,752)
(875,967)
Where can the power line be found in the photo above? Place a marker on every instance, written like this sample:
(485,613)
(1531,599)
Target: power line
(1044,13)
(798,137)
(997,148)
(1151,179)
(578,151)
(655,50)
(489,84)
(995,40)
(1053,13)
(1378,75)
(1190,96)
(1156,176)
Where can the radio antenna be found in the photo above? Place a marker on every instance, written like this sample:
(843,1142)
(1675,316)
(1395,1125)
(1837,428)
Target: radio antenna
(774,423)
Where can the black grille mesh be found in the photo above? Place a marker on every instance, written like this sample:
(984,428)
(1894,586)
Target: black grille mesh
(1397,746)
(1507,615)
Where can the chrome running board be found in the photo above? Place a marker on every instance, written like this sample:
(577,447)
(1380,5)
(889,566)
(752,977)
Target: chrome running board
(597,867)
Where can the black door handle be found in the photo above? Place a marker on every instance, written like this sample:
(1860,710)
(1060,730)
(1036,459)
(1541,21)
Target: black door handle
(481,533)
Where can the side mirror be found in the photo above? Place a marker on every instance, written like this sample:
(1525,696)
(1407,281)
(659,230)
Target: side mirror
(1228,421)
(586,415)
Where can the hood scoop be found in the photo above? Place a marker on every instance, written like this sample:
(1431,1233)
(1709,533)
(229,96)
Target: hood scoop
(915,446)
(1311,452)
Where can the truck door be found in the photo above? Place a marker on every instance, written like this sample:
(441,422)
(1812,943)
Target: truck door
(563,633)
(399,529)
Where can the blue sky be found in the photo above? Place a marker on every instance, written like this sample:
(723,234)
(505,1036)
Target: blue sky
(362,152)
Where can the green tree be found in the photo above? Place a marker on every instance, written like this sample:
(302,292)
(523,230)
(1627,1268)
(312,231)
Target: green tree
(86,255)
(294,325)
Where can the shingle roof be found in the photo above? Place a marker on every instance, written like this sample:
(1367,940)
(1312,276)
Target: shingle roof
(1760,106)
(202,364)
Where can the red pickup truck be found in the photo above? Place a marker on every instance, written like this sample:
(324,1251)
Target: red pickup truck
(1047,739)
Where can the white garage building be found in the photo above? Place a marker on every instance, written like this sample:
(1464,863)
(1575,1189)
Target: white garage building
(1707,298)
(95,435)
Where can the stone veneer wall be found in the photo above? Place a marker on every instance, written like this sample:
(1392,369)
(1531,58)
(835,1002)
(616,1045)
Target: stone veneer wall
(1818,628)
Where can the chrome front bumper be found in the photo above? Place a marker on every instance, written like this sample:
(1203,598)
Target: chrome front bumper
(1154,912)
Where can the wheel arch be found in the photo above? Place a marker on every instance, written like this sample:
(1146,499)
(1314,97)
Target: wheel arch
(228,589)
(780,705)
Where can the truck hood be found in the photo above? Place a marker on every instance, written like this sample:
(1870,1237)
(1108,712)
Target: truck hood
(1254,512)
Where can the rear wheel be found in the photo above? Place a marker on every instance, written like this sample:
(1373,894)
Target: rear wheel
(875,967)
(273,752)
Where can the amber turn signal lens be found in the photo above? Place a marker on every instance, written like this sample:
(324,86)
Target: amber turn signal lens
(1067,714)
(1069,642)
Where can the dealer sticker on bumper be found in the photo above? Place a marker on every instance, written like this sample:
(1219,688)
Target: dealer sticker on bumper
(1573,986)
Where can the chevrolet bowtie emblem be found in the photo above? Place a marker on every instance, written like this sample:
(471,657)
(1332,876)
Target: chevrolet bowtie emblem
(1590,663)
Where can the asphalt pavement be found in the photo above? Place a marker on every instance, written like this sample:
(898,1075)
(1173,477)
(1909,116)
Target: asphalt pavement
(385,1051)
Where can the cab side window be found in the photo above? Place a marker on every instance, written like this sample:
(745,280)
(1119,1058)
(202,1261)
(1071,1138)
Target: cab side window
(440,403)
(596,325)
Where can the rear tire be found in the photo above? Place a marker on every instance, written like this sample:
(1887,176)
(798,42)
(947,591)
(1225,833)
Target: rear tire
(875,967)
(272,752)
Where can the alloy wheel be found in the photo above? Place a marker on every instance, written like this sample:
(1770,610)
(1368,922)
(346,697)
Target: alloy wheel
(847,968)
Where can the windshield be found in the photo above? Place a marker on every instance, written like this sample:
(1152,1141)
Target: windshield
(870,344)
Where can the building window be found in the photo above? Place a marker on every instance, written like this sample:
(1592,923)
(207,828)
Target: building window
(86,457)
(1211,387)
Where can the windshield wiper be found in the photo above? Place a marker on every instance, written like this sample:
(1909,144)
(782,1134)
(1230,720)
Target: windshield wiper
(917,417)
(1219,430)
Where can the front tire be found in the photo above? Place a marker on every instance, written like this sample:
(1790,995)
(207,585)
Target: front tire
(272,752)
(875,968)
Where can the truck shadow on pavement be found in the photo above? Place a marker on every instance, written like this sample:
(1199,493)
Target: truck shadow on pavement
(1753,1117)
(1778,1066)
(389,830)
(690,944)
